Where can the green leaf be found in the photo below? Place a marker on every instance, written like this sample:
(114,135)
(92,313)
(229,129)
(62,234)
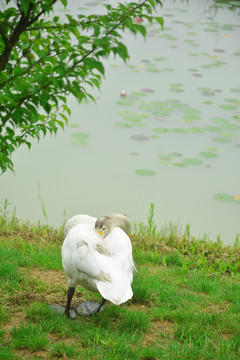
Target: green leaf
(160,20)
(64,2)
(94,64)
(141,29)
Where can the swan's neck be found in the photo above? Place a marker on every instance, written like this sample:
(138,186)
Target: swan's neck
(121,221)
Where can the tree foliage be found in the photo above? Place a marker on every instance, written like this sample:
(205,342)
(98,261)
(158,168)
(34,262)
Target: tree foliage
(45,57)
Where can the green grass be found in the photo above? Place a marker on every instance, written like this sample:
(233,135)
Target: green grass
(186,302)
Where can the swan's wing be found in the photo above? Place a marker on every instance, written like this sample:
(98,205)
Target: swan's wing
(83,252)
(78,219)
(120,247)
(119,290)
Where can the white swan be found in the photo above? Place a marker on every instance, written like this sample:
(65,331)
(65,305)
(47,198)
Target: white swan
(97,254)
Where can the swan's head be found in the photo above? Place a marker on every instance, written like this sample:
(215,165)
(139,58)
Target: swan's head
(103,226)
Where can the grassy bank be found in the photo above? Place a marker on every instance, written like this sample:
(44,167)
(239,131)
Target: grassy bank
(186,302)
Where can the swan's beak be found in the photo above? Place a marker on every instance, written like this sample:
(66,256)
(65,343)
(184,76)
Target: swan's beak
(100,232)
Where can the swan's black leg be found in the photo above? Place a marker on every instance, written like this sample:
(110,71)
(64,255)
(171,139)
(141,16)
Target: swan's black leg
(69,299)
(102,303)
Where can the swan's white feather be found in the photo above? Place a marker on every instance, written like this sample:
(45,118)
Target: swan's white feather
(101,265)
(78,219)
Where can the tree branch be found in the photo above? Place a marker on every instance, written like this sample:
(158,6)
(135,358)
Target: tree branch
(109,32)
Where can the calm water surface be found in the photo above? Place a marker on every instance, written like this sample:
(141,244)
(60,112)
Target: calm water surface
(173,140)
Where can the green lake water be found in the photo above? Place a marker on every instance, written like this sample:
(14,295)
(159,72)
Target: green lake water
(173,140)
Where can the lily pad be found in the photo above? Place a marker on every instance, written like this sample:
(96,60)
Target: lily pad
(74,125)
(213,128)
(223,197)
(208,102)
(221,140)
(175,154)
(180,130)
(228,107)
(231,127)
(160,58)
(148,91)
(123,124)
(208,93)
(161,130)
(208,154)
(236,117)
(197,75)
(165,157)
(235,90)
(192,161)
(145,172)
(180,164)
(139,137)
(228,134)
(80,138)
(233,101)
(221,121)
(195,129)
(191,117)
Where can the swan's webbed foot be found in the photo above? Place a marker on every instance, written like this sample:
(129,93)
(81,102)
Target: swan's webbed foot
(61,309)
(88,308)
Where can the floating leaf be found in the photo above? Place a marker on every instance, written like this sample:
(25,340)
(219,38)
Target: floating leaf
(236,117)
(134,153)
(192,161)
(139,137)
(208,93)
(123,124)
(221,140)
(223,197)
(191,117)
(175,154)
(208,154)
(208,102)
(148,91)
(154,137)
(80,138)
(161,130)
(233,101)
(228,107)
(180,164)
(231,127)
(160,58)
(195,129)
(74,125)
(213,128)
(145,172)
(235,90)
(165,157)
(153,70)
(180,130)
(221,121)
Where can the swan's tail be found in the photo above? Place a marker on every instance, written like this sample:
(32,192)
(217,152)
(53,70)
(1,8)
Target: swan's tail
(118,291)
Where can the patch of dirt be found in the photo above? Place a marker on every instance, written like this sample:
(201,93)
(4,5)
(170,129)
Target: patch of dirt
(30,354)
(49,277)
(15,320)
(157,329)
